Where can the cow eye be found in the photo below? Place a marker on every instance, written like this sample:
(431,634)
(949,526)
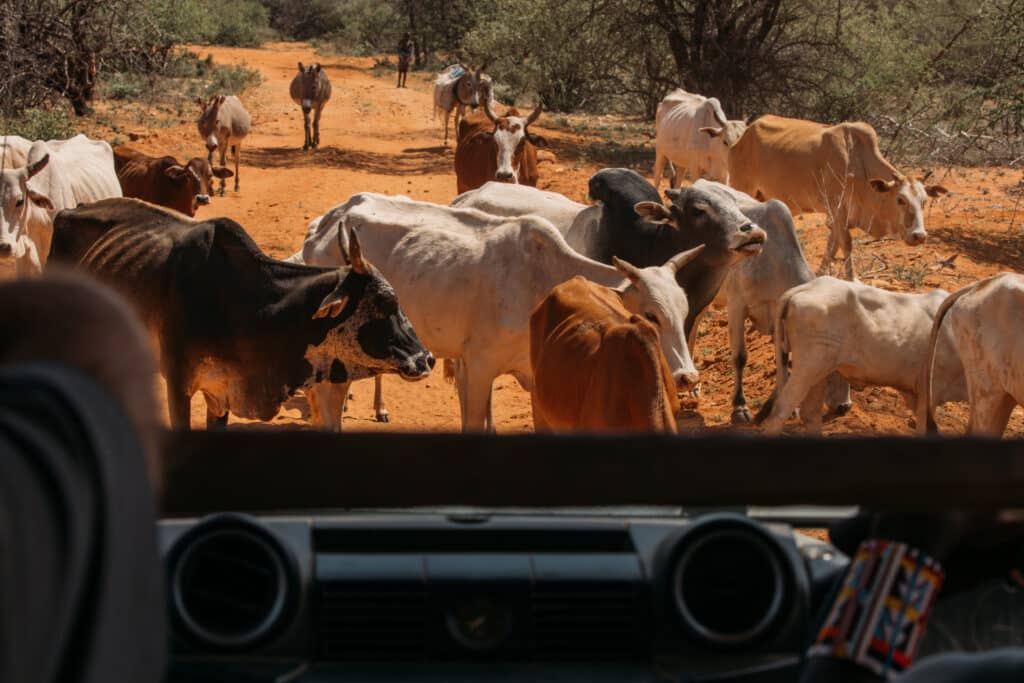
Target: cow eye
(696,211)
(20,202)
(652,318)
(900,201)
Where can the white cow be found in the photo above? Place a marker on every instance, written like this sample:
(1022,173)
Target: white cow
(59,174)
(469,281)
(13,151)
(507,199)
(982,319)
(692,132)
(869,336)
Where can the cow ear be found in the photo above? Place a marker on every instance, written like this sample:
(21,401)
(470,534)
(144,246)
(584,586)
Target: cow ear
(355,254)
(301,68)
(222,172)
(882,185)
(654,212)
(537,140)
(316,67)
(712,131)
(626,268)
(40,200)
(673,193)
(333,304)
(175,172)
(935,190)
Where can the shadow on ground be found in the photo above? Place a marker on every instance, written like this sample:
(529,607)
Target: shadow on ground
(410,162)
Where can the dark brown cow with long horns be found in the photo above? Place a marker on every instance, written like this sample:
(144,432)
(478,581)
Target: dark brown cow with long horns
(500,148)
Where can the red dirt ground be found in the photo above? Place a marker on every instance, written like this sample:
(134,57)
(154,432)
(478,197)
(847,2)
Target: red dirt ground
(379,138)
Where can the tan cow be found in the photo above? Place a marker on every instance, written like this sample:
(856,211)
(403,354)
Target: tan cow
(838,170)
(223,122)
(982,319)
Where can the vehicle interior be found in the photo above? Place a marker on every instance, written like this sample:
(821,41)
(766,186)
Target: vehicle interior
(659,564)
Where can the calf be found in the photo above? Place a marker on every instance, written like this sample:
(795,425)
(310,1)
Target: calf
(867,335)
(636,226)
(498,148)
(311,90)
(163,181)
(470,281)
(245,330)
(754,287)
(599,368)
(223,122)
(992,355)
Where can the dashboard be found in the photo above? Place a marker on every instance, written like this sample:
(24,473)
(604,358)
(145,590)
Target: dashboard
(719,597)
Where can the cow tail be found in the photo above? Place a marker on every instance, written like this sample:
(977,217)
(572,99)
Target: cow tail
(781,360)
(450,371)
(924,415)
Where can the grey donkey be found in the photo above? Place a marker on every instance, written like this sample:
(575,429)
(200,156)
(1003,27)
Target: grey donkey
(223,122)
(311,90)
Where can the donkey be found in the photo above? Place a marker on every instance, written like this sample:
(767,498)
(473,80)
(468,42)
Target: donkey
(223,122)
(311,90)
(458,92)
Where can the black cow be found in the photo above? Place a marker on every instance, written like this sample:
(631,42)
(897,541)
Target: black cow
(244,329)
(636,226)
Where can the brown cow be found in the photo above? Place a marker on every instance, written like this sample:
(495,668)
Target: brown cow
(598,367)
(497,148)
(163,181)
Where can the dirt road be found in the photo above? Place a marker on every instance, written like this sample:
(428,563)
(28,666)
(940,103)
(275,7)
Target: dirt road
(378,138)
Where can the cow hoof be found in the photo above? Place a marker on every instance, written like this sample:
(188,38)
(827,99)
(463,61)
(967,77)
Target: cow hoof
(841,409)
(741,415)
(383,416)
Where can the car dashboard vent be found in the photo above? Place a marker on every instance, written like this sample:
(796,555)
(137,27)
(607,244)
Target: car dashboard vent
(372,622)
(590,621)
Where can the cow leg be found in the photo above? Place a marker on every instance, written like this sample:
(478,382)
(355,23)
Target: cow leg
(830,253)
(837,395)
(810,407)
(475,393)
(800,383)
(845,240)
(539,424)
(738,351)
(215,422)
(179,401)
(380,411)
(326,404)
(990,411)
(659,167)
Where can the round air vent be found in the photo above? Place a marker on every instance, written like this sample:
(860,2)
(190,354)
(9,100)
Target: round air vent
(729,582)
(232,583)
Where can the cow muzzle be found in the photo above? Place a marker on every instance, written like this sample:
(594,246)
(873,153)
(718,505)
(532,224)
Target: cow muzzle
(6,248)
(202,199)
(685,379)
(916,238)
(417,367)
(752,240)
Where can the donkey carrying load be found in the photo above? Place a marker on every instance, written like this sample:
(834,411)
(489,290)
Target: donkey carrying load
(457,87)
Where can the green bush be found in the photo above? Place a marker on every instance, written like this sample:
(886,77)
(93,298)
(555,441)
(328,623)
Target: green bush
(125,86)
(233,79)
(41,124)
(368,27)
(240,23)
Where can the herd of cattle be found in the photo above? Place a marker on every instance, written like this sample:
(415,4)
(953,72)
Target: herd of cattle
(593,309)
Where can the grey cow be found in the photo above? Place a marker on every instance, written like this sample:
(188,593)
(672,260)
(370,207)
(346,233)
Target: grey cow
(755,285)
(223,122)
(311,90)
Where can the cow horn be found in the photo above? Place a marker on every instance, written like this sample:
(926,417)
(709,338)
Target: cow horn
(676,263)
(626,268)
(487,110)
(36,166)
(535,114)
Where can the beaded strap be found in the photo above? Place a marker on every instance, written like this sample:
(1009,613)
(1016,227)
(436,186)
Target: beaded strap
(880,614)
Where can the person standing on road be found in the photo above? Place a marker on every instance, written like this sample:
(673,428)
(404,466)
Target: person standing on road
(405,46)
